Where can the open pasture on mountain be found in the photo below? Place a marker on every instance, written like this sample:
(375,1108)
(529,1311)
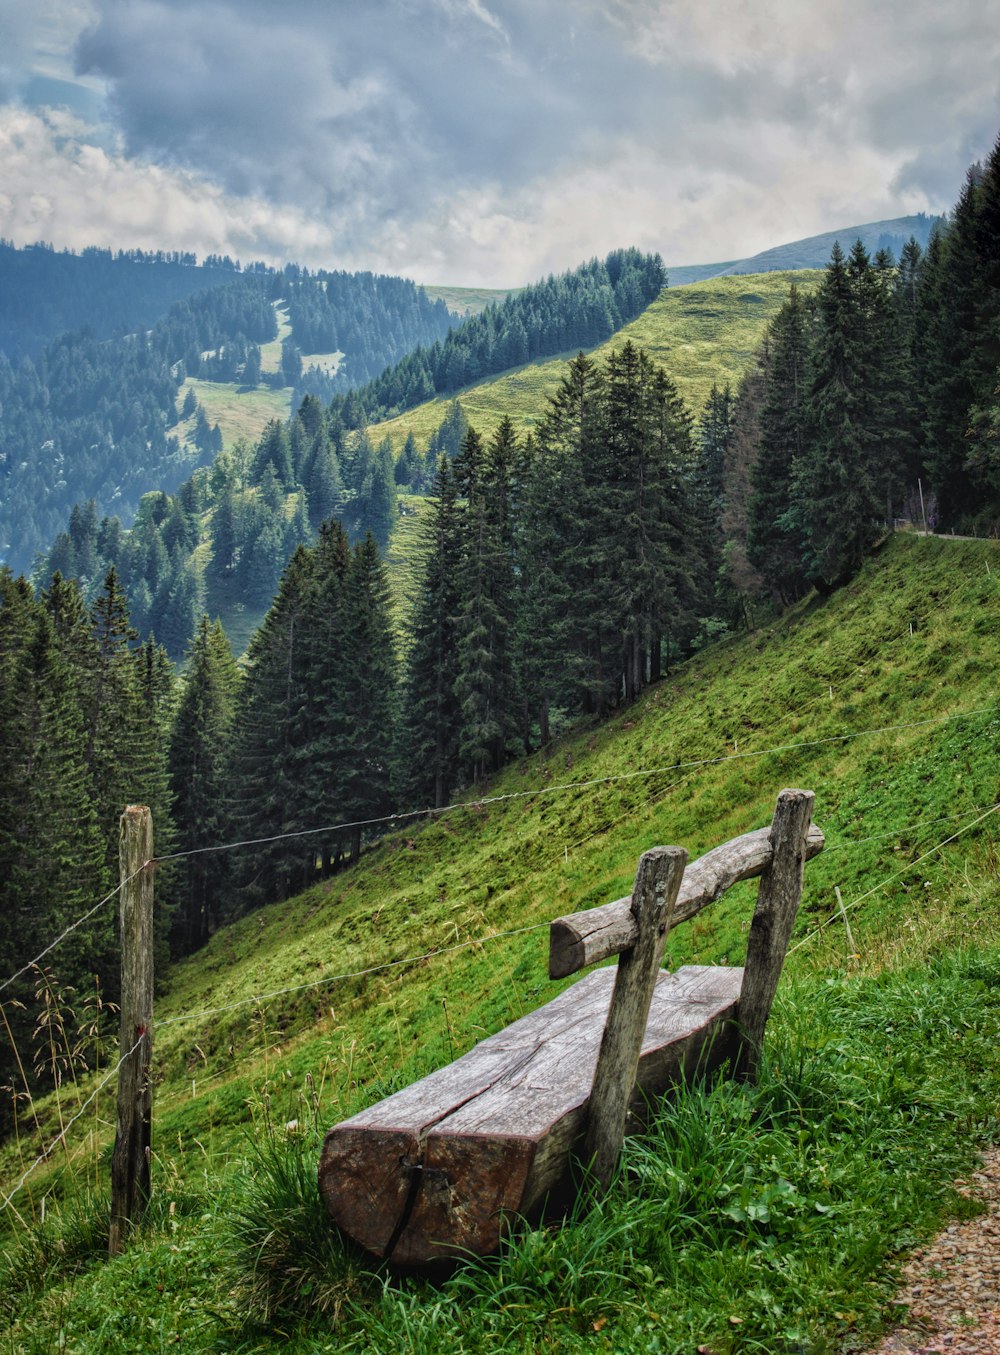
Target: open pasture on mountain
(744,1221)
(705,334)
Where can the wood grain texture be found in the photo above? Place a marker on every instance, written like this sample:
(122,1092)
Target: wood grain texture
(594,934)
(656,884)
(433,1171)
(130,1179)
(778,900)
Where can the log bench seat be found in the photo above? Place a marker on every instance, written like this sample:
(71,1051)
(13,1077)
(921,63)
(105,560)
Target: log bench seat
(436,1170)
(431,1171)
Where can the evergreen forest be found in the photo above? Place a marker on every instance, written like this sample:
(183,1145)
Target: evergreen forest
(94,412)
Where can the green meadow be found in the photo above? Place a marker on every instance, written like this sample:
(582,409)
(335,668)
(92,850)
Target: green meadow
(747,1220)
(703,333)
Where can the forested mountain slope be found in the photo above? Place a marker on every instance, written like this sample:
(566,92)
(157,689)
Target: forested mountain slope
(223,542)
(880,699)
(44,293)
(705,334)
(104,418)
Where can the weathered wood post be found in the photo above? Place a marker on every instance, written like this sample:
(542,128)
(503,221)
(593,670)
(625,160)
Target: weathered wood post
(130,1185)
(778,899)
(656,884)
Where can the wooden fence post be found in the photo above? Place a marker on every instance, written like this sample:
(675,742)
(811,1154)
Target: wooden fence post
(130,1182)
(777,903)
(656,884)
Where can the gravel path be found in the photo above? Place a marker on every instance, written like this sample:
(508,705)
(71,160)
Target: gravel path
(951,1288)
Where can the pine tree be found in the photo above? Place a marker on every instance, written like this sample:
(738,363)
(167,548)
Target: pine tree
(52,867)
(565,549)
(113,714)
(265,771)
(743,582)
(773,540)
(320,719)
(430,717)
(368,692)
(382,510)
(484,681)
(836,484)
(198,762)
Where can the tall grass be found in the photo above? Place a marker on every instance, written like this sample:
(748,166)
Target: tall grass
(765,1219)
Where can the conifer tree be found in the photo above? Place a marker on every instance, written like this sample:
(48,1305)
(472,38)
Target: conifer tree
(836,485)
(773,540)
(265,771)
(112,707)
(368,691)
(484,682)
(744,583)
(52,862)
(571,594)
(320,720)
(431,716)
(198,761)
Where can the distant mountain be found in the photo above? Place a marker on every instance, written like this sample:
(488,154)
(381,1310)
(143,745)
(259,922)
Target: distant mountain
(814,250)
(111,365)
(43,294)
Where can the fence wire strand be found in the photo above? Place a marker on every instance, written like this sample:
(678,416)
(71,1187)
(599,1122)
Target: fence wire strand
(482,803)
(73,926)
(836,917)
(352,974)
(46,1153)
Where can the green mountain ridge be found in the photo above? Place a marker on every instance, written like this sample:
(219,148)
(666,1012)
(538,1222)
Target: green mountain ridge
(880,699)
(704,333)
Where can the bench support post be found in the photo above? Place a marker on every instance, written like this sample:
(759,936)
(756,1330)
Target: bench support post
(778,899)
(656,884)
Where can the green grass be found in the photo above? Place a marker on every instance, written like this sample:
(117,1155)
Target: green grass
(787,1208)
(241,414)
(403,563)
(703,333)
(469,300)
(270,353)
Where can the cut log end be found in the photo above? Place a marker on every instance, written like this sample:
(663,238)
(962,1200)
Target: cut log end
(437,1171)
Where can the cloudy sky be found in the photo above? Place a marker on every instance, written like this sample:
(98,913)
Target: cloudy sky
(484,141)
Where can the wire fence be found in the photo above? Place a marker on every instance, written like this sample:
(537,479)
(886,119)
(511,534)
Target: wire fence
(402,816)
(329,980)
(47,1152)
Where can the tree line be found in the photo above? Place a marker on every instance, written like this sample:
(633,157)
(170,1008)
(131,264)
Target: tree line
(578,309)
(883,384)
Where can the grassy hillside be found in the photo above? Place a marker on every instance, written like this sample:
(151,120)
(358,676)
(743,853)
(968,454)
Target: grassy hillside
(704,333)
(403,561)
(243,412)
(468,300)
(789,1204)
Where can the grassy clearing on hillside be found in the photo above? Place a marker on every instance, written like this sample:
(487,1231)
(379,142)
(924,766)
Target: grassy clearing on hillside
(270,353)
(239,412)
(703,333)
(404,562)
(789,1212)
(469,300)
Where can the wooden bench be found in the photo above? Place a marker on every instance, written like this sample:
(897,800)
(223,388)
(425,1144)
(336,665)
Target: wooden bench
(432,1172)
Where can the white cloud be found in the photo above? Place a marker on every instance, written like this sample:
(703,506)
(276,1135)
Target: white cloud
(489,141)
(58,185)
